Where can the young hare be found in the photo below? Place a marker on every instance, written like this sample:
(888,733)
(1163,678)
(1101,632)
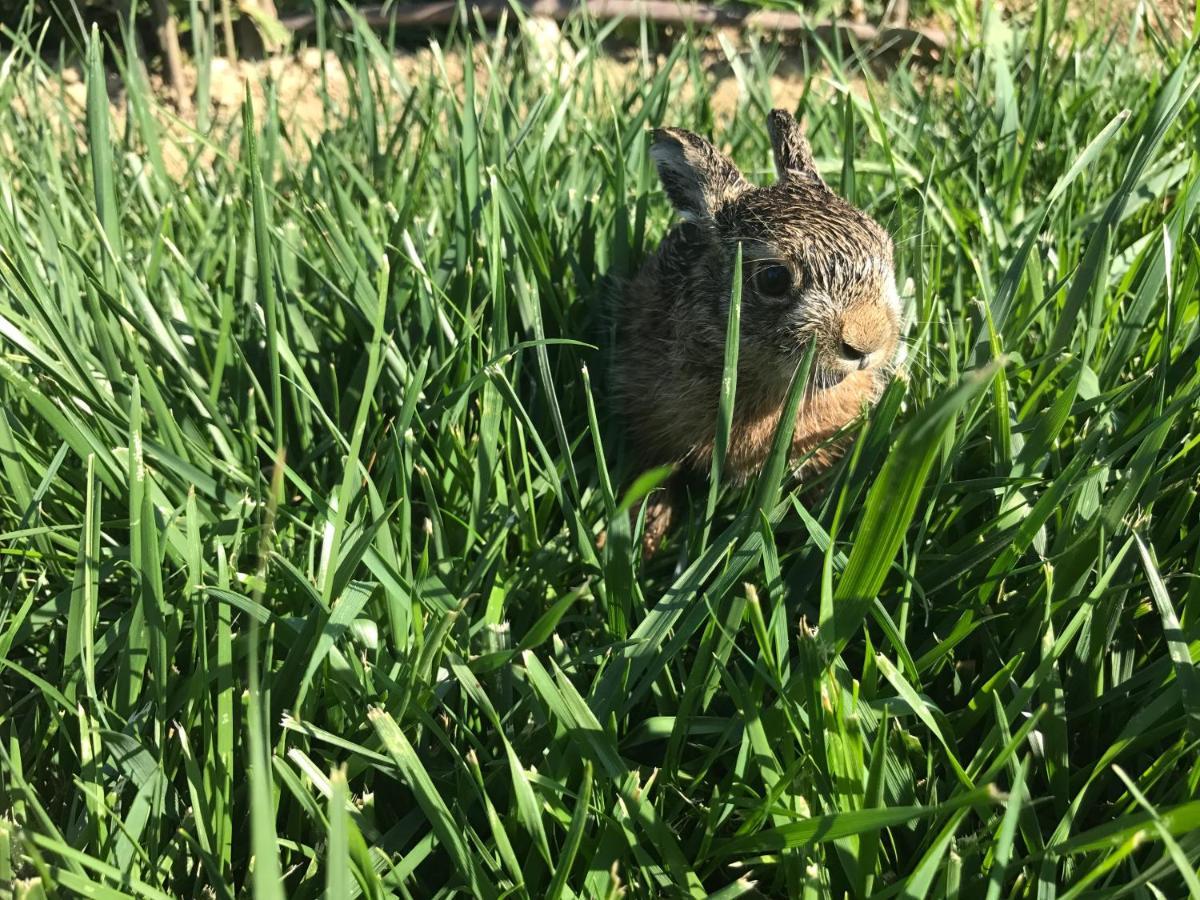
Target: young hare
(815,269)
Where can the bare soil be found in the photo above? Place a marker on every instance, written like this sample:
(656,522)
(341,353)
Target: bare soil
(297,79)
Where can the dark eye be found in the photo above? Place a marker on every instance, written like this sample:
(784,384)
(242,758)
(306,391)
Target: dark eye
(773,281)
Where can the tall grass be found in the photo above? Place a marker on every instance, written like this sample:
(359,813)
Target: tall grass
(305,456)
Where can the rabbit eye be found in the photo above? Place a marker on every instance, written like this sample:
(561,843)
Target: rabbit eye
(773,281)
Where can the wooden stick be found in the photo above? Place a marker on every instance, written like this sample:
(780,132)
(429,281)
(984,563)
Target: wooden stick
(896,15)
(227,32)
(168,40)
(667,12)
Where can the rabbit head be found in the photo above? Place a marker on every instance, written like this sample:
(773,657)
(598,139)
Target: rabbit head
(815,268)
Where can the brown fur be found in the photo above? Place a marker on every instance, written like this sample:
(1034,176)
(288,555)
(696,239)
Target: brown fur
(673,315)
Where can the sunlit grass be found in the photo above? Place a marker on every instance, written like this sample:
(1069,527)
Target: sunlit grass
(305,460)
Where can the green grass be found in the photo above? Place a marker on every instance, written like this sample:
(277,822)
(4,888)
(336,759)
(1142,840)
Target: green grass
(304,456)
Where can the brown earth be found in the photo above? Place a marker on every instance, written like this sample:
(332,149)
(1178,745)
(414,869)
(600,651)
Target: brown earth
(297,88)
(297,80)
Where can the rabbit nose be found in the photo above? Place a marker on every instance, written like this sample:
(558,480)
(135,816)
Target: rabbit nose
(855,355)
(864,331)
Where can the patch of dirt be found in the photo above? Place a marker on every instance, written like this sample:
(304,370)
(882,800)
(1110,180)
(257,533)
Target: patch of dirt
(1172,17)
(297,84)
(301,82)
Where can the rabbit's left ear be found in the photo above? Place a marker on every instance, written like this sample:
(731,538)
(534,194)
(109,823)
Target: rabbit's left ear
(697,177)
(793,155)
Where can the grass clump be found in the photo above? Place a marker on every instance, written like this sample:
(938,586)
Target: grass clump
(304,456)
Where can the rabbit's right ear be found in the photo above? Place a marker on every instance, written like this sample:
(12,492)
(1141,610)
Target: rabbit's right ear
(697,177)
(793,155)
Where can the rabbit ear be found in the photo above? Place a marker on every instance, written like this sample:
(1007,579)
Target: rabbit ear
(696,176)
(793,155)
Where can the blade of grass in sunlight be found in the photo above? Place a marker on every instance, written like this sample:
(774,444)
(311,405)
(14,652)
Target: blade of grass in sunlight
(317,570)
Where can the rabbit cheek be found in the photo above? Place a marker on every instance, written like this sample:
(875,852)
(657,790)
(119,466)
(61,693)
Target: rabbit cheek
(774,335)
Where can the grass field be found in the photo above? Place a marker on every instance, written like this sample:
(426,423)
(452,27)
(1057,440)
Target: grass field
(305,460)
